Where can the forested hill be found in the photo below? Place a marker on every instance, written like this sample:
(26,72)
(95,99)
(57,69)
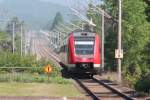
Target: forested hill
(34,12)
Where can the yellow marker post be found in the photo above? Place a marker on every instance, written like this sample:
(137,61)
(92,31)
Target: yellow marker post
(48,70)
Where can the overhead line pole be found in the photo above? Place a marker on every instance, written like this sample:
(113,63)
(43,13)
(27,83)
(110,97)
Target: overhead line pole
(25,45)
(103,15)
(103,37)
(119,40)
(22,27)
(13,37)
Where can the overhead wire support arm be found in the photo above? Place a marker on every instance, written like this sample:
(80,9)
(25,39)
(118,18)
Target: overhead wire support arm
(75,25)
(62,30)
(66,27)
(101,11)
(83,18)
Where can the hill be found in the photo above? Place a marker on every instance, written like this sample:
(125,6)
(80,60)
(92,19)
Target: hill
(34,12)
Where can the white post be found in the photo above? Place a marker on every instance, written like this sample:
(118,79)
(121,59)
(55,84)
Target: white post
(119,40)
(13,37)
(25,40)
(102,41)
(21,37)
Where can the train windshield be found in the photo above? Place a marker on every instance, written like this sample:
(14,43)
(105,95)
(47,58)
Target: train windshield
(84,47)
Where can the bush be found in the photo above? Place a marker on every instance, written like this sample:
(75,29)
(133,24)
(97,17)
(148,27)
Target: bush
(29,78)
(143,84)
(10,60)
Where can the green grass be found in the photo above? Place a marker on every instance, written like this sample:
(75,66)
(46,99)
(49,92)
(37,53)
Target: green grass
(38,89)
(32,78)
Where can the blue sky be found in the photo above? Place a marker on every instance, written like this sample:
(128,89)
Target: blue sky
(66,2)
(62,2)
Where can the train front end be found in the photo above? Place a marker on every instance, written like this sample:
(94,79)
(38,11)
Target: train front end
(84,53)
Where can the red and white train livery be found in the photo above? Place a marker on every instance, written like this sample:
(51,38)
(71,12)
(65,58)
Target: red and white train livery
(82,53)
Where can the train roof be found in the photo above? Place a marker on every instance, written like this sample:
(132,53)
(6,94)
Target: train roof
(80,34)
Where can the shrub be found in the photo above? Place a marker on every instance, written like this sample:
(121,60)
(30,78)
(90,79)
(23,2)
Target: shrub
(15,60)
(29,78)
(143,84)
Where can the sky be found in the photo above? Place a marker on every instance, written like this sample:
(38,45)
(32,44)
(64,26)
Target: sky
(32,15)
(67,2)
(61,2)
(72,2)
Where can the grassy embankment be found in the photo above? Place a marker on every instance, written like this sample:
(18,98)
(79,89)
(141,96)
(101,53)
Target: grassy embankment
(29,79)
(38,89)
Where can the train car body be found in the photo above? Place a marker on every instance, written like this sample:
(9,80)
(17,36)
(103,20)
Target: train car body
(82,53)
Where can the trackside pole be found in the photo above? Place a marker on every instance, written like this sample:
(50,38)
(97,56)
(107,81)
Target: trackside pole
(21,37)
(119,41)
(13,37)
(102,40)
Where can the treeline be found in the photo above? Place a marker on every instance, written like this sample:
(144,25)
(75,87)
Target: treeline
(136,40)
(6,36)
(9,59)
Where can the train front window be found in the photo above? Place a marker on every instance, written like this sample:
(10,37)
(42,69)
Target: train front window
(84,48)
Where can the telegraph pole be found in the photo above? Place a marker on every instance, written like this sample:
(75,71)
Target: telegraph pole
(13,37)
(119,41)
(102,41)
(21,37)
(25,40)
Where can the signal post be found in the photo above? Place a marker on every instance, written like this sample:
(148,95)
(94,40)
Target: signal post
(48,70)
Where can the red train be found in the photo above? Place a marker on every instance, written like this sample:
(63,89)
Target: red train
(82,53)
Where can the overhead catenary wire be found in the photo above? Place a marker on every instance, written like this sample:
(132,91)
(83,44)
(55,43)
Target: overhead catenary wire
(82,17)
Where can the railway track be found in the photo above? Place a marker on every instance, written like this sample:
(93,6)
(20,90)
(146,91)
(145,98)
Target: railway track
(41,49)
(98,90)
(94,88)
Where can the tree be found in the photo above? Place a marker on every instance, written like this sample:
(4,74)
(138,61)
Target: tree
(148,10)
(136,37)
(57,20)
(136,32)
(95,16)
(110,31)
(148,2)
(9,27)
(17,29)
(5,43)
